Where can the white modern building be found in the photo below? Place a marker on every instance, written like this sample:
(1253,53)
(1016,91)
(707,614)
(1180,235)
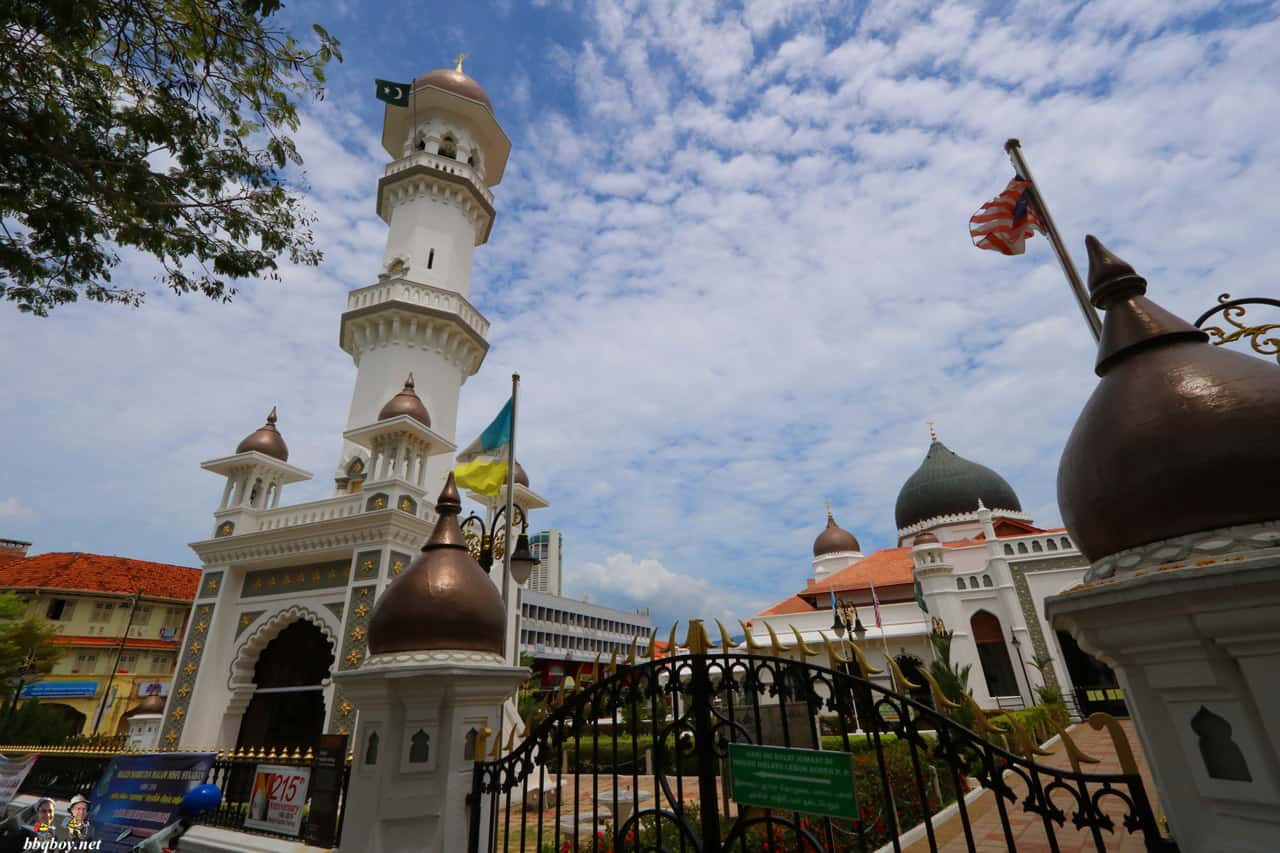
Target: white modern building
(564,636)
(548,547)
(287,590)
(968,560)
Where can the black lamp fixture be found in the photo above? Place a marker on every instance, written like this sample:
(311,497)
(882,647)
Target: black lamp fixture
(522,560)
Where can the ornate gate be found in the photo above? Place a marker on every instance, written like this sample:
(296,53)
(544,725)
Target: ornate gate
(638,760)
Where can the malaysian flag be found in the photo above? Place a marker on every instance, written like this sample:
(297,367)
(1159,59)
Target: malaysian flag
(875,602)
(1004,223)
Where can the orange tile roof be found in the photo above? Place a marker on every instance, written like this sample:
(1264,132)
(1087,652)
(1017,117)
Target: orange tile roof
(886,568)
(79,572)
(794,604)
(131,643)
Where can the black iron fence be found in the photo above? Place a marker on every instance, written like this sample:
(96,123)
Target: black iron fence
(62,772)
(568,786)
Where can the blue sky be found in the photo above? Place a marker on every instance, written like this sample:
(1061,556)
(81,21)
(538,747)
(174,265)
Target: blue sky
(731,263)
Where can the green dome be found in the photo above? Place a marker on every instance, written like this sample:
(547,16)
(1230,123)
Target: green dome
(947,484)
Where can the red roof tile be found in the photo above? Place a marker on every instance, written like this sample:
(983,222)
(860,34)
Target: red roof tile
(98,573)
(794,604)
(886,568)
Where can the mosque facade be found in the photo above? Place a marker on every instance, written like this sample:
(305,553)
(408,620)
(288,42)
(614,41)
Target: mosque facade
(969,561)
(287,591)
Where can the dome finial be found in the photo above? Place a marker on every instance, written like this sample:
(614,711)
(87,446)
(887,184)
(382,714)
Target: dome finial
(830,517)
(408,383)
(458,61)
(271,418)
(933,433)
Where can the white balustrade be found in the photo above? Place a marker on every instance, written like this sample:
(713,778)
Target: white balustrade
(444,164)
(419,294)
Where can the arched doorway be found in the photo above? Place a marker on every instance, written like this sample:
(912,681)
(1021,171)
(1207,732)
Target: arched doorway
(993,655)
(287,708)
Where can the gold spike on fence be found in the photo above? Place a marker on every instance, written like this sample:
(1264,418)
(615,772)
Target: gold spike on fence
(864,664)
(726,644)
(308,755)
(595,669)
(753,645)
(1100,720)
(940,700)
(671,640)
(631,655)
(903,684)
(482,742)
(775,645)
(653,644)
(1026,745)
(696,639)
(805,651)
(1075,754)
(613,663)
(497,747)
(511,741)
(832,655)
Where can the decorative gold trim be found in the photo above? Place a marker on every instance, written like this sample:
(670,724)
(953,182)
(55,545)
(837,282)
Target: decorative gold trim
(1100,720)
(1074,754)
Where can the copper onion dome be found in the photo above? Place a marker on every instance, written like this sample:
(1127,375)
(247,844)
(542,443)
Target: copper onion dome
(454,80)
(266,439)
(521,477)
(834,539)
(1167,443)
(925,538)
(444,601)
(406,402)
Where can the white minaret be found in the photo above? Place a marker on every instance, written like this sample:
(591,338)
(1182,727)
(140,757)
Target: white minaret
(447,150)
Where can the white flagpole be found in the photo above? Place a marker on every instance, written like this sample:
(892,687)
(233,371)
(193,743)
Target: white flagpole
(1014,149)
(511,488)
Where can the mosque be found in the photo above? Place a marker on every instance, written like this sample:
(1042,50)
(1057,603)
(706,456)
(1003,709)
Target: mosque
(969,560)
(287,591)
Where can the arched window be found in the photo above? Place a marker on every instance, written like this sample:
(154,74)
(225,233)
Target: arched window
(255,494)
(1022,547)
(959,583)
(986,580)
(1066,543)
(471,161)
(1051,545)
(973,582)
(1037,547)
(449,147)
(469,745)
(1008,549)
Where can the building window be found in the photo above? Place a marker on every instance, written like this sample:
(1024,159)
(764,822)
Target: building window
(142,615)
(85,663)
(449,148)
(58,609)
(986,580)
(128,663)
(959,583)
(159,663)
(102,611)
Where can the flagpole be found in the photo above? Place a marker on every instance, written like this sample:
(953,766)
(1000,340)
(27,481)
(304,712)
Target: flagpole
(511,486)
(1014,149)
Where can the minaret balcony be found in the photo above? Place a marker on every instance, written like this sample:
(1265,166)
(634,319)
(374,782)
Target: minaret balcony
(424,295)
(448,165)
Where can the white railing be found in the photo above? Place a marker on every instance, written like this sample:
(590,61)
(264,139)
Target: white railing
(308,513)
(399,290)
(443,164)
(1038,545)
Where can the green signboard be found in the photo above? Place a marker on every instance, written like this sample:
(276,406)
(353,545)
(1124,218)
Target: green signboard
(809,781)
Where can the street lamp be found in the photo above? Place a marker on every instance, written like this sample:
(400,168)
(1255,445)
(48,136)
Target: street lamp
(488,542)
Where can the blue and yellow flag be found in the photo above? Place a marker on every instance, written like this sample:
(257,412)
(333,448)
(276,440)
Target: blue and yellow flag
(482,466)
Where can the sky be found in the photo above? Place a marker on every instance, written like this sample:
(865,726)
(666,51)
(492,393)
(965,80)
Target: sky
(731,263)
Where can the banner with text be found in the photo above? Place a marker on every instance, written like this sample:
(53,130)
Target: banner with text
(279,794)
(138,795)
(11,775)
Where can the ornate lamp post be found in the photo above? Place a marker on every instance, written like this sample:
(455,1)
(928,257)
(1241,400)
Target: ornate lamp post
(487,543)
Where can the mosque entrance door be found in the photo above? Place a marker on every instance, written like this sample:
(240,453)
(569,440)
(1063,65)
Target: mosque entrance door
(287,709)
(1096,686)
(993,655)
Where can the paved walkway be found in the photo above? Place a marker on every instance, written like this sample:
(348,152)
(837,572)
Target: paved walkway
(1028,830)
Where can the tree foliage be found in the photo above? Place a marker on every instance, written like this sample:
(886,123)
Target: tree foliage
(163,126)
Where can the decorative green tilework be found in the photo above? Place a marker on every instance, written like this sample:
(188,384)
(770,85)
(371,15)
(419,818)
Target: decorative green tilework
(354,632)
(184,677)
(407,504)
(335,607)
(376,501)
(296,579)
(247,619)
(1039,645)
(209,585)
(226,528)
(367,565)
(399,562)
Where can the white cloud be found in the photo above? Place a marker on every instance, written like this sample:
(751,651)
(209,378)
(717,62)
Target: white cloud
(11,509)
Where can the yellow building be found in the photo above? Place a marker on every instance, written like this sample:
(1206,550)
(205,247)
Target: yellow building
(116,651)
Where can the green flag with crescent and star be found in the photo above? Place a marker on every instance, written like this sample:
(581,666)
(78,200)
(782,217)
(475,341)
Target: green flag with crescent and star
(396,94)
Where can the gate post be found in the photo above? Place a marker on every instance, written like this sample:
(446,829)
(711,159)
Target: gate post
(703,735)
